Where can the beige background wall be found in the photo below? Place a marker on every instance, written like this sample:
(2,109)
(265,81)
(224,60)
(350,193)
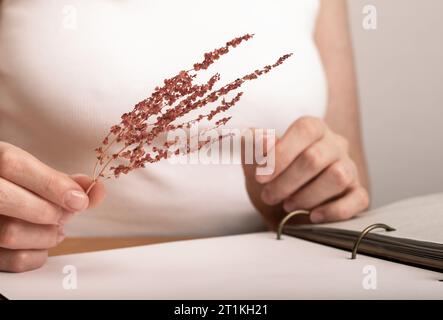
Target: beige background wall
(400,70)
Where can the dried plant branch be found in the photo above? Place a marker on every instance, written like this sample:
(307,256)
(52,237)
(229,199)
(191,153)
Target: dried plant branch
(139,131)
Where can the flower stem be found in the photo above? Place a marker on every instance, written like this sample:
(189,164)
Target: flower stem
(108,163)
(91,186)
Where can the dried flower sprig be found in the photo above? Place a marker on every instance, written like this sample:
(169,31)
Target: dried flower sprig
(136,140)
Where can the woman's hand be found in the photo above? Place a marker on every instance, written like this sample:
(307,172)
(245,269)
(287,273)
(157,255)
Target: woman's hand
(36,201)
(313,171)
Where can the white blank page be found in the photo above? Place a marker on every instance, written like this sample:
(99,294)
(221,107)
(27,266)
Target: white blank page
(252,266)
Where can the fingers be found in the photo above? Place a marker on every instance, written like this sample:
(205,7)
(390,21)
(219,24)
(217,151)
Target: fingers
(35,202)
(355,201)
(313,170)
(335,180)
(302,133)
(21,168)
(307,166)
(17,234)
(21,260)
(19,203)
(98,191)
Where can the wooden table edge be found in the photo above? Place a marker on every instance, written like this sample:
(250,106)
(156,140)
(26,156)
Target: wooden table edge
(91,244)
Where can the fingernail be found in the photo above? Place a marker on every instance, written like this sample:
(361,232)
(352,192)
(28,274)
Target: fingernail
(260,177)
(61,234)
(267,196)
(317,217)
(289,206)
(64,218)
(76,200)
(60,237)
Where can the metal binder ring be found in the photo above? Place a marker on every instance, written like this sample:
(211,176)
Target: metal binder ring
(365,232)
(285,219)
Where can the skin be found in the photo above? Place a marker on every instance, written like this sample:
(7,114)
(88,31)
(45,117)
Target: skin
(36,202)
(319,163)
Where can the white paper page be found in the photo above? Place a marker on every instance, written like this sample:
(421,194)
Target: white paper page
(419,218)
(253,266)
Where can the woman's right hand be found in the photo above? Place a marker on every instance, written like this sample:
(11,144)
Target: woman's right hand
(36,201)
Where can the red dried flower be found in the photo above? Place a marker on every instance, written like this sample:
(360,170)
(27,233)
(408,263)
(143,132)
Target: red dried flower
(135,140)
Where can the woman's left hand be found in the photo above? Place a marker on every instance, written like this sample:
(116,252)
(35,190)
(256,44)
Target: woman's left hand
(313,171)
